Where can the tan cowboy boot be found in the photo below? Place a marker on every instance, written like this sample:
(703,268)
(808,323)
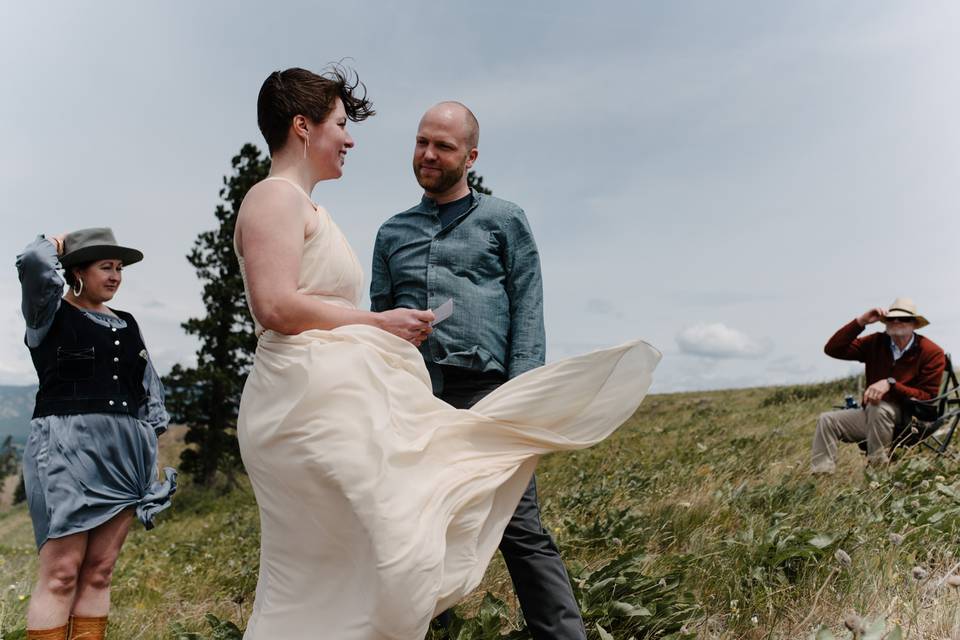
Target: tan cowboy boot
(88,628)
(60,633)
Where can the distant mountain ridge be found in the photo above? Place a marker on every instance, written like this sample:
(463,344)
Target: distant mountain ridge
(16,407)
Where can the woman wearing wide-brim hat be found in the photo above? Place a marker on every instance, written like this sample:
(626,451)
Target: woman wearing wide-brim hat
(91,457)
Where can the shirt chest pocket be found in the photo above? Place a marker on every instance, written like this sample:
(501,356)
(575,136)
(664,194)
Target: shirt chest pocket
(76,363)
(485,258)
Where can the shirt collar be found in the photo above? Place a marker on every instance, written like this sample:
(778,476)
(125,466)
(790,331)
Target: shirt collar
(430,206)
(897,351)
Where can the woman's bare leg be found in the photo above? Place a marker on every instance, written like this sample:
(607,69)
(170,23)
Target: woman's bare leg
(96,572)
(56,589)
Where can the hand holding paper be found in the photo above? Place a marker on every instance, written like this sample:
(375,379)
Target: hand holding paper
(442,312)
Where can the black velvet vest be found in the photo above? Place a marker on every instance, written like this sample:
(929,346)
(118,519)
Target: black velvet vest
(85,367)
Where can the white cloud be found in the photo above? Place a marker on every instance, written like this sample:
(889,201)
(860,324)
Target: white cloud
(717,340)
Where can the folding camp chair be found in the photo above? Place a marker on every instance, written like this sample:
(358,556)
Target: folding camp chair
(934,421)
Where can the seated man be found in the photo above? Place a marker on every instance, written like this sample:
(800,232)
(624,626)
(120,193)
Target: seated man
(900,365)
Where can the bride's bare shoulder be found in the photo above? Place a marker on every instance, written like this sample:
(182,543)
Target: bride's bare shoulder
(269,202)
(269,210)
(271,194)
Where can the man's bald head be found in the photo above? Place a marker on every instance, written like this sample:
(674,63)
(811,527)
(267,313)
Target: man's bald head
(459,113)
(446,150)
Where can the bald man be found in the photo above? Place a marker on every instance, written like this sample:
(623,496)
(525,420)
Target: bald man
(479,251)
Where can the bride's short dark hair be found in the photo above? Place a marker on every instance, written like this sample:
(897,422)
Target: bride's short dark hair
(296,91)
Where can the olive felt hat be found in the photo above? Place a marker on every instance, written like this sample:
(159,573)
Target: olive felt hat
(98,243)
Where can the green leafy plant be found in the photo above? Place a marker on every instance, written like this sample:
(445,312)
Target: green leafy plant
(619,597)
(219,630)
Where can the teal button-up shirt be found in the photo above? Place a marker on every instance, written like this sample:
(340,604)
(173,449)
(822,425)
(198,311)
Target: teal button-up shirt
(487,261)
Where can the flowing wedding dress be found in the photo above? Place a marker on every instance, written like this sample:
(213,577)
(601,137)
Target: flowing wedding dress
(381,505)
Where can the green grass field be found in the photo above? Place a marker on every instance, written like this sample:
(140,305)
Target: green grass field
(697,519)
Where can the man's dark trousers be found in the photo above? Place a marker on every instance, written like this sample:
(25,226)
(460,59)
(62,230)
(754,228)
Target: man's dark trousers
(539,577)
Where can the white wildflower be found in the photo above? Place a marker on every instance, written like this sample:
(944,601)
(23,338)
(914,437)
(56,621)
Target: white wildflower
(842,557)
(854,623)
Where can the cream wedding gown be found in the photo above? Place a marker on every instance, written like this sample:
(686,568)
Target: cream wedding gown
(381,505)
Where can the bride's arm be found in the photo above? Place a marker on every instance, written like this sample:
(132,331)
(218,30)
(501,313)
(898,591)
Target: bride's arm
(270,232)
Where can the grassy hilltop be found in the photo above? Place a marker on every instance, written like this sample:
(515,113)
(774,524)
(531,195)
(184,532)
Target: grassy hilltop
(696,520)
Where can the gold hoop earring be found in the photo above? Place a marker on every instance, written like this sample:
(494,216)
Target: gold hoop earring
(76,291)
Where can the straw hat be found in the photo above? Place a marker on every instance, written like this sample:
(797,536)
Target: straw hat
(905,308)
(87,245)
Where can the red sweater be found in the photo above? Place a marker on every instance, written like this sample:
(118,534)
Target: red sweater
(917,372)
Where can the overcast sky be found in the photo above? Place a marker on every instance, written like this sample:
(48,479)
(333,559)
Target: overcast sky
(729,181)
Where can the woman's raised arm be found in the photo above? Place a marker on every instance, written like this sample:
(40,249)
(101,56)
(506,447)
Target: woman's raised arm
(41,285)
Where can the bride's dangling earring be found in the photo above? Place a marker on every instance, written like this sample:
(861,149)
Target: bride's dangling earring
(305,147)
(78,290)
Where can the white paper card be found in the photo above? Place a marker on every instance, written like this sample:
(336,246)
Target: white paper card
(442,312)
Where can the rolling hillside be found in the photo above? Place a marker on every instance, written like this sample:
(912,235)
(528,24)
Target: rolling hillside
(697,519)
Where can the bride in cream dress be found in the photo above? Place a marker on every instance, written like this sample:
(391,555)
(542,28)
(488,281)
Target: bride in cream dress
(380,505)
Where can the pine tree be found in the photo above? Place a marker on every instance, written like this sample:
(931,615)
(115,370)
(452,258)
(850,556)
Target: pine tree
(476,182)
(207,397)
(8,458)
(20,493)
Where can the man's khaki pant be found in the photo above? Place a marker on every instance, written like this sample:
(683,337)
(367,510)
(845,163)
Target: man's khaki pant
(873,424)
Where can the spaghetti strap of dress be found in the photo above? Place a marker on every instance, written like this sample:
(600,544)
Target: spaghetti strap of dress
(295,186)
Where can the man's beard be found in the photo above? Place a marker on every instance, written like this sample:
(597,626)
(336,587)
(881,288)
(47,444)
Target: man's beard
(439,183)
(899,332)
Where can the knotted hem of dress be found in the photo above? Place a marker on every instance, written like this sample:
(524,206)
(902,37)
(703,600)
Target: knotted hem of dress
(156,499)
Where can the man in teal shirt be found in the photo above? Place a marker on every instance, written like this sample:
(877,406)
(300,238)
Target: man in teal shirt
(479,251)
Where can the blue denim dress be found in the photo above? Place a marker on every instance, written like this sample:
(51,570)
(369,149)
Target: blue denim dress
(81,470)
